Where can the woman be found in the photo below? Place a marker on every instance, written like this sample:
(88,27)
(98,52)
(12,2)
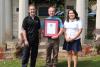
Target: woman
(72,30)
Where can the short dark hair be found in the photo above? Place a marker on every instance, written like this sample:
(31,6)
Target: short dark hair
(74,11)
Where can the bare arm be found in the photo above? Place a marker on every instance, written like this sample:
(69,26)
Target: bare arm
(65,35)
(77,34)
(25,37)
(59,34)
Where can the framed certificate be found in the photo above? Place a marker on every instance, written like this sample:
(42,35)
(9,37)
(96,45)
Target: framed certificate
(51,27)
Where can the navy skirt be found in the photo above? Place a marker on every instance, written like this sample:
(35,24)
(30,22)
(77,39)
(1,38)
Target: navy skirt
(72,46)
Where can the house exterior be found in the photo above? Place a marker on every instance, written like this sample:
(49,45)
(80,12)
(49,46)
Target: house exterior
(12,13)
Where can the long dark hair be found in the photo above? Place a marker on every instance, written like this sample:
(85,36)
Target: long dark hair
(76,14)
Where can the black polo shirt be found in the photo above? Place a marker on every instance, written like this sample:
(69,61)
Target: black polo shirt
(31,26)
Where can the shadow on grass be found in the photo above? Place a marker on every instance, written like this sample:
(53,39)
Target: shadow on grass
(62,64)
(85,63)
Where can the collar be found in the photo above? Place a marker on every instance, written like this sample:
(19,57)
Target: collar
(32,17)
(72,20)
(50,17)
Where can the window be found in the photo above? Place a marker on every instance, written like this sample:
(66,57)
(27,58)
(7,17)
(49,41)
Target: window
(43,11)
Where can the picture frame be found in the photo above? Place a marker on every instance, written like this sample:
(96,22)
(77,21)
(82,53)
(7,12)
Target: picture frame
(51,27)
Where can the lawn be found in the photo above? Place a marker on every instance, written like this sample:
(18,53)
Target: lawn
(83,62)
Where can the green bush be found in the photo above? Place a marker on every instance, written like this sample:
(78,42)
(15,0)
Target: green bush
(91,26)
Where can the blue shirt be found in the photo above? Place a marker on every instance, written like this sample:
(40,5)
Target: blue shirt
(60,25)
(54,18)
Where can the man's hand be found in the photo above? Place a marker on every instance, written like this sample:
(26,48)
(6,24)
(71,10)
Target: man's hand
(55,37)
(26,43)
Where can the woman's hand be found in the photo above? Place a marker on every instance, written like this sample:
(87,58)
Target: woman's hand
(68,39)
(71,39)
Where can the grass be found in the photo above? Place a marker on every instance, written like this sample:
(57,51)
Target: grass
(83,62)
(10,63)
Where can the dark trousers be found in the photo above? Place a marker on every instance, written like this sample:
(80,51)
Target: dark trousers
(30,51)
(52,53)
